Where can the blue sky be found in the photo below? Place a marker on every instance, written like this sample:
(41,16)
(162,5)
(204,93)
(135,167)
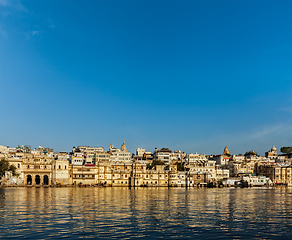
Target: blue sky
(190,75)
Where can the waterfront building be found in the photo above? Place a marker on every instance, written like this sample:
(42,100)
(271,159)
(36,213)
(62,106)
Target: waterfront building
(16,159)
(161,175)
(202,167)
(239,166)
(221,174)
(116,167)
(37,169)
(278,173)
(84,174)
(257,180)
(61,172)
(192,178)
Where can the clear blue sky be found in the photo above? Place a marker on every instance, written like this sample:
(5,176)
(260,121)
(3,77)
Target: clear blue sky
(190,75)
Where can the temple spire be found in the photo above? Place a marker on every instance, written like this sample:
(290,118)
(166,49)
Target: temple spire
(123,148)
(226,151)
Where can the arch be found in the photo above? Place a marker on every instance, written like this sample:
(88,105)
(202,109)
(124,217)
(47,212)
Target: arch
(37,179)
(59,166)
(28,180)
(65,167)
(18,165)
(46,180)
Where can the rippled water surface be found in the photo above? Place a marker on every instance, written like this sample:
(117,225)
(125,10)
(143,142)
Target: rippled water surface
(43,213)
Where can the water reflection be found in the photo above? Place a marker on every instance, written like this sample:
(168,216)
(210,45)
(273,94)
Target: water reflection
(43,213)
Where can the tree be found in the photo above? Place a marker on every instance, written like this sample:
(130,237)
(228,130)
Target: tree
(180,167)
(286,149)
(4,166)
(251,152)
(154,163)
(12,168)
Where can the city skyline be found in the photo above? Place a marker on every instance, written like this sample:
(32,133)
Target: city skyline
(194,76)
(112,146)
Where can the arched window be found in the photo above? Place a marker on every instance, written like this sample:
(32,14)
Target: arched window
(54,167)
(27,166)
(65,167)
(59,166)
(18,165)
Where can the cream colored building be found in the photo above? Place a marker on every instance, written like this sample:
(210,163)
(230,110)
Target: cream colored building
(120,155)
(203,167)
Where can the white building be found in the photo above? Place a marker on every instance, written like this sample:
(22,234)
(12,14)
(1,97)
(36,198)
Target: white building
(194,157)
(163,154)
(77,158)
(257,180)
(120,155)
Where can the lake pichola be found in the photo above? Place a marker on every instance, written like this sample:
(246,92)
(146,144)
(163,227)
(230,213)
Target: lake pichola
(146,213)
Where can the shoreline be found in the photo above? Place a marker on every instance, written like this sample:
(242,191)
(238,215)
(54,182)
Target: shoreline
(190,187)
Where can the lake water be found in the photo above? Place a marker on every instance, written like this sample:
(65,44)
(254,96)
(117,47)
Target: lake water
(146,213)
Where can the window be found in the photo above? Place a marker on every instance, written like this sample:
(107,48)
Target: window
(65,167)
(59,166)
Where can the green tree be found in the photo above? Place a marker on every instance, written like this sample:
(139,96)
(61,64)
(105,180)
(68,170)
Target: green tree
(154,163)
(286,149)
(251,152)
(4,166)
(180,167)
(12,168)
